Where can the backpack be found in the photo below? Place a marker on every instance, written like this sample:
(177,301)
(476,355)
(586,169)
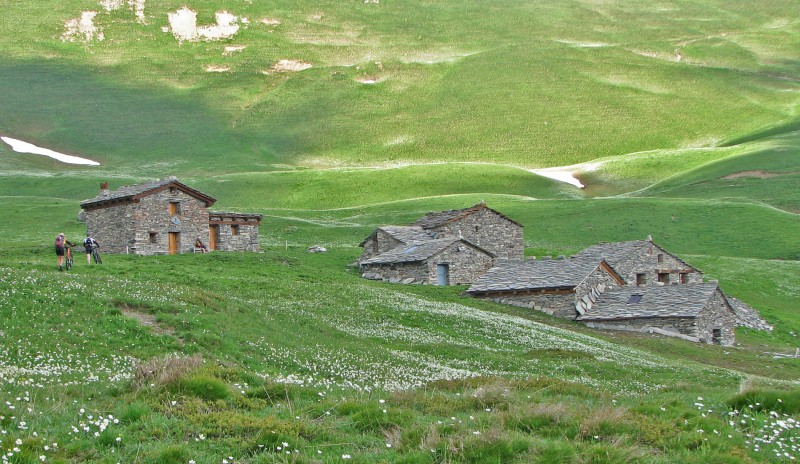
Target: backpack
(60,241)
(88,242)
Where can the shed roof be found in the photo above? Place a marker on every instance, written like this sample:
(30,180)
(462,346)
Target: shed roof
(615,253)
(686,300)
(418,251)
(436,219)
(134,192)
(403,234)
(536,275)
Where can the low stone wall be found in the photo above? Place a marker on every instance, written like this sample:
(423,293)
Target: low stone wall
(407,273)
(560,304)
(643,329)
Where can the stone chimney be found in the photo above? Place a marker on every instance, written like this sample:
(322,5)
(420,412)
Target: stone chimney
(104,189)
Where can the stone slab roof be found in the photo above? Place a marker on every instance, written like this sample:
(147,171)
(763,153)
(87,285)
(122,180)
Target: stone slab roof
(616,252)
(686,300)
(436,219)
(535,275)
(746,316)
(404,234)
(132,192)
(417,251)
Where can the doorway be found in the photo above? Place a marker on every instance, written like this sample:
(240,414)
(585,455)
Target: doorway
(174,242)
(213,233)
(442,274)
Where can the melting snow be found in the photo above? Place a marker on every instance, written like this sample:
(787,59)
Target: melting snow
(82,28)
(567,173)
(24,147)
(183,24)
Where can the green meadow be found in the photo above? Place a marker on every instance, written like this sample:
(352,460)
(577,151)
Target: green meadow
(681,119)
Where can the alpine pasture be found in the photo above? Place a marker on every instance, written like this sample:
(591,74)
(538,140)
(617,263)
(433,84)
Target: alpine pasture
(333,118)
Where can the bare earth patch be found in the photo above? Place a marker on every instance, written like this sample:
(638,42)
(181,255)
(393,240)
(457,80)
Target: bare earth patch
(217,69)
(759,174)
(270,21)
(288,66)
(231,49)
(145,319)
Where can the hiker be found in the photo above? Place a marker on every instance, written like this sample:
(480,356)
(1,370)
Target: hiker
(61,247)
(200,245)
(90,244)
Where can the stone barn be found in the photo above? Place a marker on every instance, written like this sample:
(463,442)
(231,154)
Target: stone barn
(387,238)
(165,217)
(444,261)
(559,287)
(642,262)
(482,226)
(698,312)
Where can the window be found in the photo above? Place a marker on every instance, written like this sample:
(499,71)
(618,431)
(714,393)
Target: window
(153,237)
(660,258)
(663,277)
(684,277)
(641,279)
(173,190)
(716,336)
(174,208)
(476,228)
(634,299)
(235,229)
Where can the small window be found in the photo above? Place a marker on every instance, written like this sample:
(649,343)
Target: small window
(174,208)
(663,277)
(716,336)
(684,277)
(634,299)
(660,258)
(641,279)
(476,228)
(234,229)
(153,237)
(173,190)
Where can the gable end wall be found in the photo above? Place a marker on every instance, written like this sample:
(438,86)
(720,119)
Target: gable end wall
(494,233)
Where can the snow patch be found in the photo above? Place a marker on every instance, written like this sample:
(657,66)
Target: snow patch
(183,24)
(584,44)
(24,147)
(136,5)
(566,174)
(82,28)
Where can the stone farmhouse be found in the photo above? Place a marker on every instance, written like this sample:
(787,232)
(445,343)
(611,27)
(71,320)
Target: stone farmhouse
(696,312)
(642,262)
(165,216)
(559,287)
(444,248)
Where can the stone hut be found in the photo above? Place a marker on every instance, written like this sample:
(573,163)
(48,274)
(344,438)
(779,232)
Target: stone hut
(165,216)
(560,287)
(444,261)
(480,225)
(695,311)
(387,238)
(642,262)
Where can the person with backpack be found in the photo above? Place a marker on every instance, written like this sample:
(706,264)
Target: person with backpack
(61,247)
(90,244)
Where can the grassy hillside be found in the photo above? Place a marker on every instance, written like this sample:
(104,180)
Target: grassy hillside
(683,115)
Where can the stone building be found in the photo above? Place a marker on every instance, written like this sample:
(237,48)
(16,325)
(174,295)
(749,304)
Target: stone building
(695,311)
(482,233)
(482,226)
(560,287)
(642,262)
(444,261)
(165,216)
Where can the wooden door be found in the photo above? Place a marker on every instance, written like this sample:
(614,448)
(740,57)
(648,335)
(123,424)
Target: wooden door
(174,242)
(213,231)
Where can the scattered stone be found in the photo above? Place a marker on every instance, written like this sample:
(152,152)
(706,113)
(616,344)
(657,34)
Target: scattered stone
(409,280)
(317,249)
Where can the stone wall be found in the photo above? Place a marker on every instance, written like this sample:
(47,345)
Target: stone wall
(489,231)
(644,260)
(555,303)
(681,325)
(245,240)
(465,264)
(152,214)
(379,242)
(716,314)
(113,228)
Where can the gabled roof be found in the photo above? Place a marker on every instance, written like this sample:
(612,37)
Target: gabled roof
(686,300)
(615,253)
(403,234)
(437,219)
(419,251)
(552,274)
(131,193)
